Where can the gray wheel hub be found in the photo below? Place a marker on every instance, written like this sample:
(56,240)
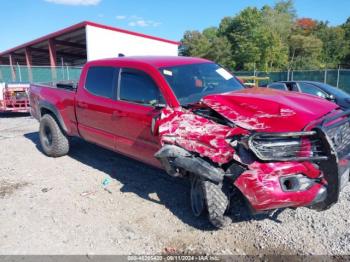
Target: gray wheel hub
(197,197)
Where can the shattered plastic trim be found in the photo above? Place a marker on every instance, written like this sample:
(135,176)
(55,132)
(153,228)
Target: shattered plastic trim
(197,134)
(260,184)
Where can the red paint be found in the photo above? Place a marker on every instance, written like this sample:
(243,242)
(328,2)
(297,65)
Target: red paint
(126,127)
(195,134)
(269,110)
(29,58)
(29,62)
(261,186)
(63,100)
(52,53)
(12,63)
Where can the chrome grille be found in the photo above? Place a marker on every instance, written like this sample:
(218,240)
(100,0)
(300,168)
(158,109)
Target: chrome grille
(340,138)
(289,146)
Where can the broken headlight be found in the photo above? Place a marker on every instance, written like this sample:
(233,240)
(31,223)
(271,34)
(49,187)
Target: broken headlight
(293,146)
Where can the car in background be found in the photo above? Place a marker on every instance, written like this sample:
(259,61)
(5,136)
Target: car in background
(319,89)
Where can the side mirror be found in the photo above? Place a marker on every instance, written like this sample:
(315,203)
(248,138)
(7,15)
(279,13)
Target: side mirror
(157,105)
(155,124)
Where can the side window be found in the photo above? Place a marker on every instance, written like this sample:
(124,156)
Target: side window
(136,86)
(292,87)
(101,81)
(312,90)
(279,86)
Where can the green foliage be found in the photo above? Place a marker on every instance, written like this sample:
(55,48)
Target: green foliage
(279,19)
(305,51)
(209,45)
(244,32)
(346,27)
(335,46)
(270,38)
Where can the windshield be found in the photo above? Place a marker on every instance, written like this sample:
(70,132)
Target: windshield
(191,83)
(333,90)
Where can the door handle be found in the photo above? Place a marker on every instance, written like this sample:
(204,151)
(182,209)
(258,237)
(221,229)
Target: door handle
(82,105)
(118,114)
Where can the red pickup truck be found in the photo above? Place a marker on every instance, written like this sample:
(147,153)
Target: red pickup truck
(194,119)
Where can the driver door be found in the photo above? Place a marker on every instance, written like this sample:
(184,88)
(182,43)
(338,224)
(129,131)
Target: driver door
(134,111)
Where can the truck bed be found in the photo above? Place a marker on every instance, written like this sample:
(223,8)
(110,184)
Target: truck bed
(67,85)
(60,98)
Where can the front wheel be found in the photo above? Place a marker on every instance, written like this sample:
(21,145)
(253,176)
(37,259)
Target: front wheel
(207,196)
(53,141)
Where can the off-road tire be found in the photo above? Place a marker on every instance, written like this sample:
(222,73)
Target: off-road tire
(53,141)
(198,204)
(217,202)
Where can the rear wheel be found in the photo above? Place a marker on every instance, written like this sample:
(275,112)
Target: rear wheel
(207,196)
(53,141)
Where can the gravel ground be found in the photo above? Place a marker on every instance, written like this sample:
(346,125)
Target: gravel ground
(59,206)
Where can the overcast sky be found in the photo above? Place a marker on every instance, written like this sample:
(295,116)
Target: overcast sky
(25,20)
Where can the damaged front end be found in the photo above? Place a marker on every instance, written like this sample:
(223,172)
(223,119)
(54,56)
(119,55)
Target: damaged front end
(176,161)
(299,169)
(271,169)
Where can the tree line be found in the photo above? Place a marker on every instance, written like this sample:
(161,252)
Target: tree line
(270,39)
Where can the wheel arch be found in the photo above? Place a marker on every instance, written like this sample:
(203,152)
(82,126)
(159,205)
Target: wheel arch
(48,108)
(173,157)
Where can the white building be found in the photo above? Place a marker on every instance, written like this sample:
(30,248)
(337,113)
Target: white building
(84,42)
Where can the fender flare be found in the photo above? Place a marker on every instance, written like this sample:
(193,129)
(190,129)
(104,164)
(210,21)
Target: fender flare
(50,107)
(173,157)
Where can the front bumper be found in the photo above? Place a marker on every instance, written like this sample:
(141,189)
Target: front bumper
(261,183)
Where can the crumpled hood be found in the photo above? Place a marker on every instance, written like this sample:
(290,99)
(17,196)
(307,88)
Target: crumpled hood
(269,110)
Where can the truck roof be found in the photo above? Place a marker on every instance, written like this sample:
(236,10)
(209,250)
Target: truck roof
(159,61)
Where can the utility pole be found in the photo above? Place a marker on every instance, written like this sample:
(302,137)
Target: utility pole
(19,71)
(338,76)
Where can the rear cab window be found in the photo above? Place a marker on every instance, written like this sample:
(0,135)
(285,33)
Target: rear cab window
(102,81)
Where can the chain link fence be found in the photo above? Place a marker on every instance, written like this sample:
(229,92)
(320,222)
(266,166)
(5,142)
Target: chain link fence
(38,74)
(335,77)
